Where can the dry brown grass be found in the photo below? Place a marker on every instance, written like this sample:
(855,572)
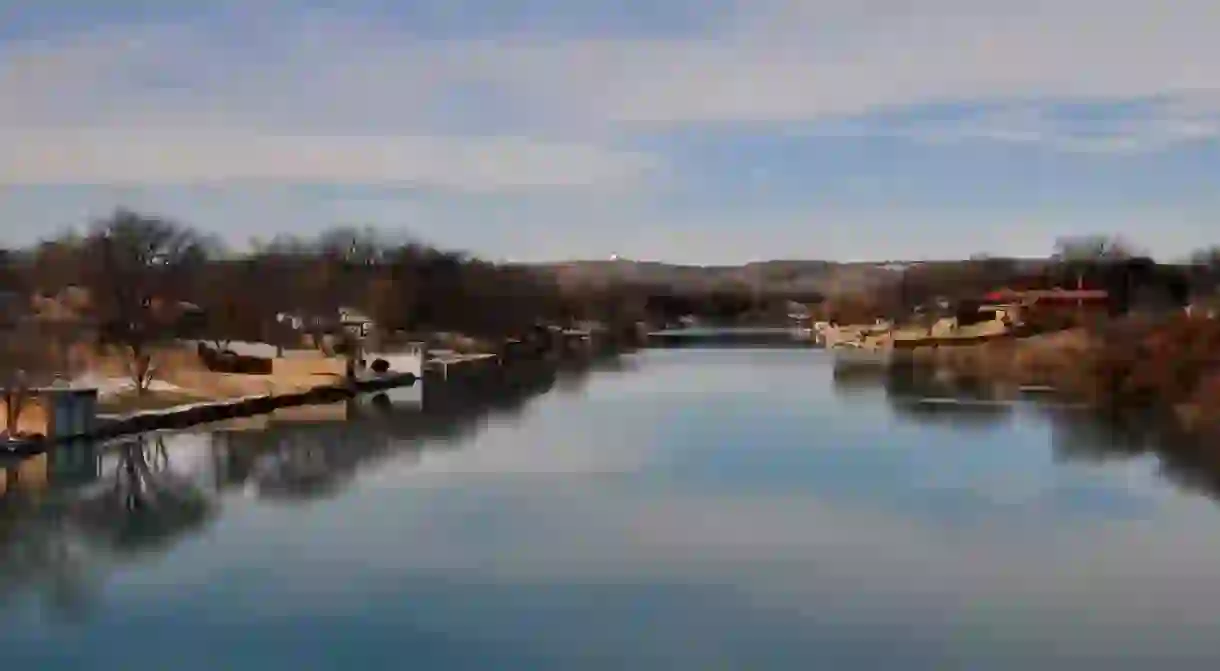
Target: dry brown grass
(1164,363)
(1169,365)
(32,421)
(1037,360)
(129,401)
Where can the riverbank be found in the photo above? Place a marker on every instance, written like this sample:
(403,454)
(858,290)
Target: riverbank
(183,416)
(1169,367)
(197,395)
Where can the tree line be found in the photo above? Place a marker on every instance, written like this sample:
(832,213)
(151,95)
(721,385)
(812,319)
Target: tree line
(1104,263)
(132,281)
(129,276)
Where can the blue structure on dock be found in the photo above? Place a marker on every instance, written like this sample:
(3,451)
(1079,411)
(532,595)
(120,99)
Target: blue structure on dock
(71,411)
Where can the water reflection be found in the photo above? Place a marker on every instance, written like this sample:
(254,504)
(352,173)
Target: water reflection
(1189,463)
(40,555)
(717,510)
(142,505)
(925,397)
(67,515)
(303,460)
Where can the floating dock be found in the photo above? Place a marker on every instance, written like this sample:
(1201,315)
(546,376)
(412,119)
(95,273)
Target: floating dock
(183,416)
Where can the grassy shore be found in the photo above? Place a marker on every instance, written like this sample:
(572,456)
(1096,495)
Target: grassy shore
(129,401)
(1169,366)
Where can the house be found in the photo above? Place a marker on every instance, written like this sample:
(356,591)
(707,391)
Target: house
(1049,297)
(1018,306)
(356,322)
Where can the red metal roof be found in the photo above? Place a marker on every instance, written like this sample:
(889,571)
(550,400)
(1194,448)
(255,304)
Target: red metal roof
(1048,295)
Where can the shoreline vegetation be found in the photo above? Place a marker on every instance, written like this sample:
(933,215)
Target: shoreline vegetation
(163,306)
(1167,369)
(162,309)
(1134,340)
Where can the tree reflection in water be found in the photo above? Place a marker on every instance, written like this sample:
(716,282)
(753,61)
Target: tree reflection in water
(858,381)
(40,554)
(143,505)
(925,397)
(59,545)
(1186,461)
(294,461)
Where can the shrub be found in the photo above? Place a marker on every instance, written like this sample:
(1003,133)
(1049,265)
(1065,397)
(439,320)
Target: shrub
(1155,364)
(231,362)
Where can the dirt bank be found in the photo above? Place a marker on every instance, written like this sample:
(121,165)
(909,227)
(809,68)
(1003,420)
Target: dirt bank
(1051,359)
(1169,366)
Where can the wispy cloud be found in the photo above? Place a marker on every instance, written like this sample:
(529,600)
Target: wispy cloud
(768,61)
(522,103)
(166,156)
(1135,127)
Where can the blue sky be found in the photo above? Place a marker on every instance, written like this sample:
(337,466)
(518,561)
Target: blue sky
(699,132)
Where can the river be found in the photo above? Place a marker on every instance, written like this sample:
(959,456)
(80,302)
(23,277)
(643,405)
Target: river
(724,508)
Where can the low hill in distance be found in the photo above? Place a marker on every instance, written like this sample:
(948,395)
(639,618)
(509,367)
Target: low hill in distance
(828,278)
(824,277)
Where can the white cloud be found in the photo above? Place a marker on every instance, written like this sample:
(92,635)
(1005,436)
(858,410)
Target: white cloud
(1163,126)
(321,98)
(335,103)
(807,58)
(774,60)
(165,156)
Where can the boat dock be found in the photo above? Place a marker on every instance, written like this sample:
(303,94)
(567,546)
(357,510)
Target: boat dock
(444,365)
(183,416)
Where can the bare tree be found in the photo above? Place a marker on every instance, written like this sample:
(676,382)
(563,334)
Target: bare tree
(55,264)
(1092,248)
(15,396)
(137,270)
(235,303)
(1209,257)
(24,354)
(25,362)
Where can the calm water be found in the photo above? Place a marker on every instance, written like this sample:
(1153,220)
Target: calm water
(697,509)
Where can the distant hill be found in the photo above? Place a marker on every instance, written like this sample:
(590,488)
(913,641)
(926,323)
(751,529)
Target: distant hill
(825,277)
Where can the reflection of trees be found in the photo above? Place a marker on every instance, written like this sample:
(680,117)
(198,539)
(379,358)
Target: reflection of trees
(1183,460)
(857,380)
(916,381)
(572,376)
(1084,437)
(965,413)
(924,396)
(142,505)
(293,461)
(58,544)
(745,338)
(39,553)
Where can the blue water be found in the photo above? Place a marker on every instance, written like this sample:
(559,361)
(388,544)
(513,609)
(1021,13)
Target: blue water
(698,509)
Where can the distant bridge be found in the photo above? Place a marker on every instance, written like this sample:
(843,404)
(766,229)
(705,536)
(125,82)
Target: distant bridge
(737,337)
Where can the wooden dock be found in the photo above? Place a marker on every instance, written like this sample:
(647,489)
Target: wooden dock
(445,364)
(181,417)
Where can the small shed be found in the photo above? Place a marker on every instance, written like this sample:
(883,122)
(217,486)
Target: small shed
(59,412)
(71,411)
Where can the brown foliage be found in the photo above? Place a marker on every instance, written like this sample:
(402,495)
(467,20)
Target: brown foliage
(133,266)
(1145,364)
(856,309)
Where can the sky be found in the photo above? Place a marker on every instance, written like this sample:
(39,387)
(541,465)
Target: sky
(720,131)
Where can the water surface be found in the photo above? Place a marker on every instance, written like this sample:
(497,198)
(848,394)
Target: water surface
(688,508)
